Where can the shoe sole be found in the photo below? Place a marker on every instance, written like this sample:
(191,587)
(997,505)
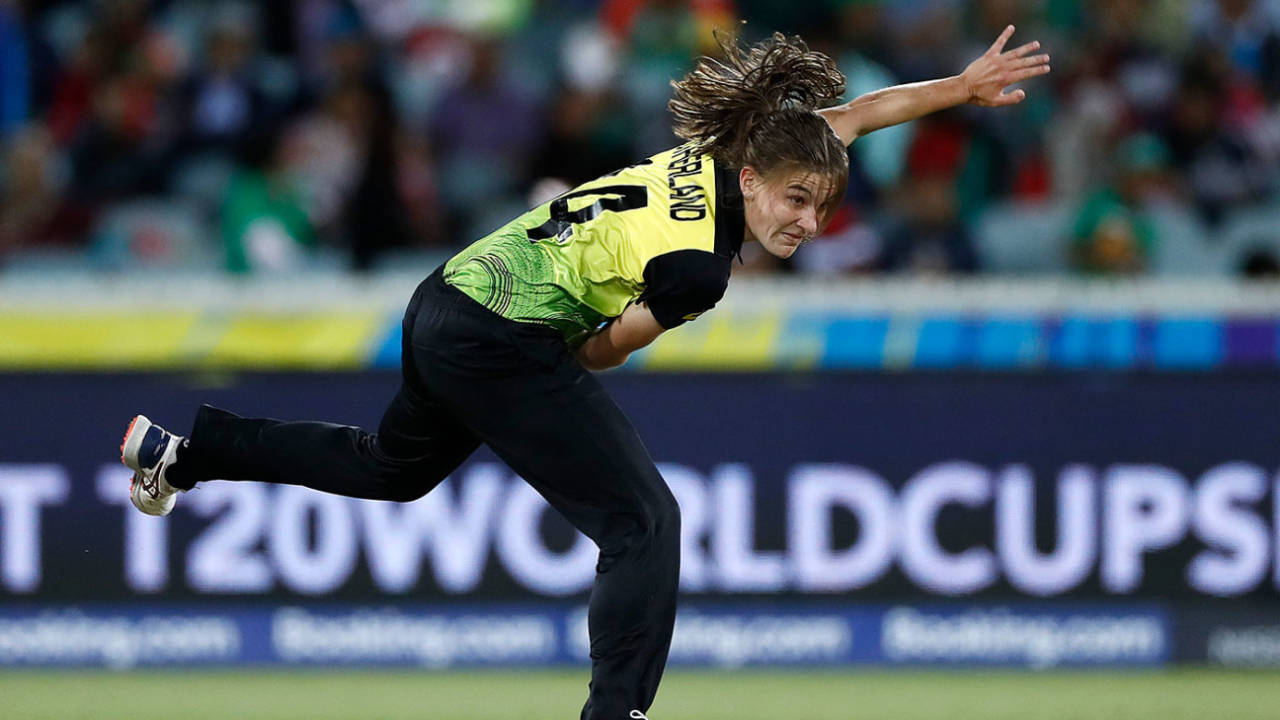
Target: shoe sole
(132,442)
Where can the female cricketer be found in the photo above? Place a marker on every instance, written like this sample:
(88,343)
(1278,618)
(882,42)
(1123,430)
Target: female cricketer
(498,342)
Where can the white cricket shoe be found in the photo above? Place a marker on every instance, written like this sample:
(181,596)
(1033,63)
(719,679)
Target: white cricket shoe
(149,450)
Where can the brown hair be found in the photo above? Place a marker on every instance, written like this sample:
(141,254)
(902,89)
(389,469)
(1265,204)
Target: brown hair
(757,107)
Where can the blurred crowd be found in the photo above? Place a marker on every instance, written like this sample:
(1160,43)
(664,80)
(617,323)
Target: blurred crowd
(273,136)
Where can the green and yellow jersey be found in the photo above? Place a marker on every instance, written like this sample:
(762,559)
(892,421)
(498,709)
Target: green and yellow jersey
(662,231)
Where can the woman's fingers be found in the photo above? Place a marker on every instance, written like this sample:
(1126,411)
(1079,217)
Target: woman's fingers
(1031,72)
(1023,50)
(1010,98)
(998,45)
(1032,61)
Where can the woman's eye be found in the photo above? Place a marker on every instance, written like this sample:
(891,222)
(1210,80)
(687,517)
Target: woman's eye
(797,200)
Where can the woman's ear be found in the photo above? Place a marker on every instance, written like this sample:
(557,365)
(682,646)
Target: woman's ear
(747,182)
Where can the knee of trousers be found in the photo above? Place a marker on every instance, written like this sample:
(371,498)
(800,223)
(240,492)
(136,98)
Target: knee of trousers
(660,523)
(399,480)
(668,517)
(651,526)
(406,483)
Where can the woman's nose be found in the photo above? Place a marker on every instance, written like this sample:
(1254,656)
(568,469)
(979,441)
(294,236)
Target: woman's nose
(809,222)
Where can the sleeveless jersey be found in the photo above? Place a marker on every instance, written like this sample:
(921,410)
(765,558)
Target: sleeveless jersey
(662,231)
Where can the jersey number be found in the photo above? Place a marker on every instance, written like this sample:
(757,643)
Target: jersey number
(618,198)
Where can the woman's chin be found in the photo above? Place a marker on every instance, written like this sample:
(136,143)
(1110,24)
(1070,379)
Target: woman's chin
(781,251)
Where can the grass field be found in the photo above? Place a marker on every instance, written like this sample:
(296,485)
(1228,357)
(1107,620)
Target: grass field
(557,695)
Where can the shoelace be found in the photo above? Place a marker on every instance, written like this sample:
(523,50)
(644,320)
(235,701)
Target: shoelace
(637,715)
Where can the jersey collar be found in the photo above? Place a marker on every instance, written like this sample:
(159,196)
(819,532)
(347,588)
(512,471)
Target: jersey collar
(731,219)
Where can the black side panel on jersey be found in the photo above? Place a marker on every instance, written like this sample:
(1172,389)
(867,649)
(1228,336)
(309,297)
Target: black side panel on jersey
(731,222)
(681,285)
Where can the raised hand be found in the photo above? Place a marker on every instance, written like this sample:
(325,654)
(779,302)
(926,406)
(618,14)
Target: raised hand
(987,78)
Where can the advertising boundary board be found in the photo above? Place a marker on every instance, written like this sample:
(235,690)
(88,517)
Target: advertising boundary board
(877,489)
(1237,636)
(438,637)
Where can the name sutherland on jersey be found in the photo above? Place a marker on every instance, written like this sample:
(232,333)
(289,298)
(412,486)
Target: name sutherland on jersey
(688,202)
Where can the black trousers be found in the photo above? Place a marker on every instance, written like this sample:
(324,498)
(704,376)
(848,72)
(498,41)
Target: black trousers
(471,376)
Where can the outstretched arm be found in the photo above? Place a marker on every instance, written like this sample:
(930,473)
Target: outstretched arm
(983,82)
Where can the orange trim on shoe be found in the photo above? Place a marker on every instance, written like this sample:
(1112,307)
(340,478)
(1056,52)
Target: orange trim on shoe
(126,436)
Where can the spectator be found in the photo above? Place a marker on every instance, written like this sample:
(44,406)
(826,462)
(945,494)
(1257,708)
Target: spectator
(485,133)
(660,39)
(75,84)
(324,154)
(221,102)
(1113,233)
(33,209)
(924,234)
(116,117)
(928,237)
(121,150)
(1221,168)
(588,137)
(374,217)
(589,131)
(264,224)
(880,156)
(1245,31)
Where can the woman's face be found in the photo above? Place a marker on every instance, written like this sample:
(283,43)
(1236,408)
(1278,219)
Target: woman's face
(784,209)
